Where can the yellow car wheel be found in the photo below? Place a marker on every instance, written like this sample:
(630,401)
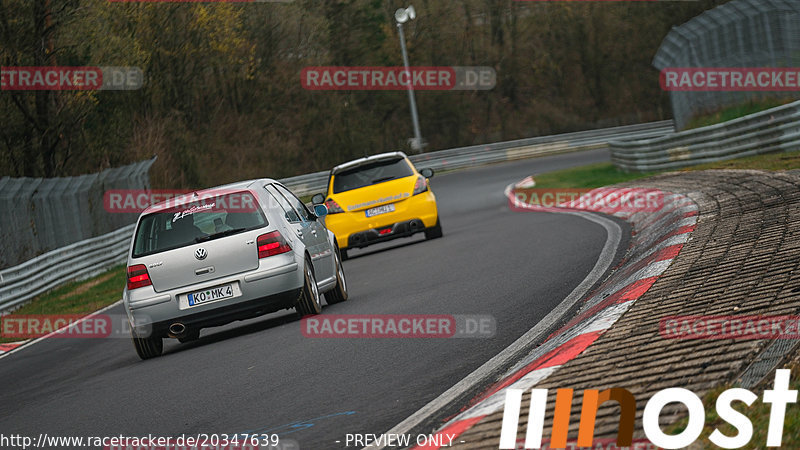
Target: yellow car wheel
(435,231)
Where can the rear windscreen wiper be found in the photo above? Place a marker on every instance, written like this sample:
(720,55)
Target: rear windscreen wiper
(218,235)
(380,180)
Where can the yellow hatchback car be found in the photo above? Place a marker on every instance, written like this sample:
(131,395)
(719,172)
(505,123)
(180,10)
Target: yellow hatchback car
(379,198)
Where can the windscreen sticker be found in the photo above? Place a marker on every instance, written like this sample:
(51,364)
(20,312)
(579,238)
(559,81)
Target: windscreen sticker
(194,209)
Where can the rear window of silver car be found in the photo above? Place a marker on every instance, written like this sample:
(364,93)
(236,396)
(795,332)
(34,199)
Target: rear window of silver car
(371,173)
(198,221)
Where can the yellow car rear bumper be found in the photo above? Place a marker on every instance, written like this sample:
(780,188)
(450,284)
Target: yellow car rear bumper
(410,216)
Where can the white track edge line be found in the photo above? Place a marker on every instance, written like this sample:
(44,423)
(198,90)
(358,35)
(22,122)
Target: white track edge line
(613,238)
(29,343)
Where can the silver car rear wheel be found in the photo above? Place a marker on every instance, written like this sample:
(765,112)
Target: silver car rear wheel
(148,347)
(309,303)
(339,293)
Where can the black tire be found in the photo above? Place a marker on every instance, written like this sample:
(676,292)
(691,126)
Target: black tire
(339,293)
(309,303)
(191,335)
(343,253)
(149,347)
(435,231)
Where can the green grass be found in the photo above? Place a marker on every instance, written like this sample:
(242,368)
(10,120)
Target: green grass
(758,413)
(604,174)
(77,297)
(591,176)
(735,112)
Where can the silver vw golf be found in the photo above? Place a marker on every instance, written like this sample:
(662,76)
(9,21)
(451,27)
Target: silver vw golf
(223,254)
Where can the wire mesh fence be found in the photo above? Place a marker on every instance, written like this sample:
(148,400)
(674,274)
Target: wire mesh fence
(43,214)
(741,33)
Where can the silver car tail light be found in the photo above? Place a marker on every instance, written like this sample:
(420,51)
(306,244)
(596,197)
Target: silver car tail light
(272,244)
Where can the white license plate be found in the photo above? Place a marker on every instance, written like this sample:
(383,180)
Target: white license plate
(211,294)
(378,210)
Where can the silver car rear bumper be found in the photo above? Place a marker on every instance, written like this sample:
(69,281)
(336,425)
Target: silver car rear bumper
(260,292)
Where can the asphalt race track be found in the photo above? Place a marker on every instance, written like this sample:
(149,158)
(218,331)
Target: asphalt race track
(263,376)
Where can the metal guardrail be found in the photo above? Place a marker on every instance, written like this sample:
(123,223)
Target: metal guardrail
(770,131)
(83,259)
(80,260)
(476,155)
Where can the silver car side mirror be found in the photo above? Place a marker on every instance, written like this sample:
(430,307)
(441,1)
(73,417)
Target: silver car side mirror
(320,210)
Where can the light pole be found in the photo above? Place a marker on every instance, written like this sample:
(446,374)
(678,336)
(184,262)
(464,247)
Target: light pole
(402,16)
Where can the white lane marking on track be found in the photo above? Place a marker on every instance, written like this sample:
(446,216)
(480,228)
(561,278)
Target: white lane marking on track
(493,404)
(29,343)
(496,400)
(538,332)
(599,322)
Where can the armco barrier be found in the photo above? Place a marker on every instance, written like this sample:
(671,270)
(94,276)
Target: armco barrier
(476,155)
(79,260)
(20,283)
(770,131)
